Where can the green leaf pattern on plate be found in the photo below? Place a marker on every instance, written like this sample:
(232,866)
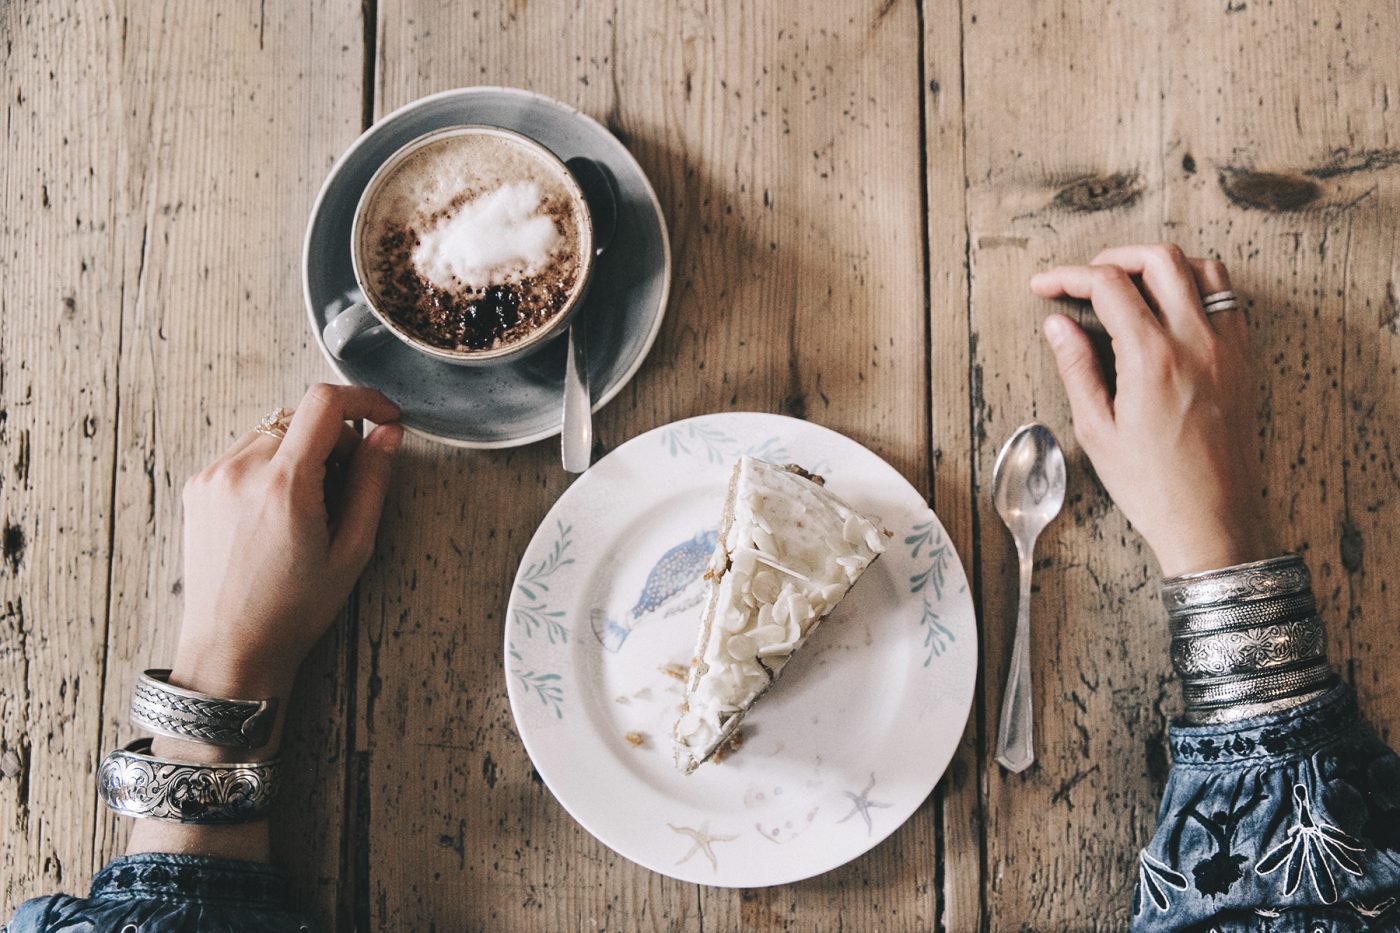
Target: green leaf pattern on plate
(696,438)
(927,541)
(533,613)
(546,686)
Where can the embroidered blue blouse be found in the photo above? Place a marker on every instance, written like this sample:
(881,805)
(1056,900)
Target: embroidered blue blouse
(1283,823)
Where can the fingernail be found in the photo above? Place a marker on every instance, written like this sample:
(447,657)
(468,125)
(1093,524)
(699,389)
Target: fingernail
(393,437)
(1055,332)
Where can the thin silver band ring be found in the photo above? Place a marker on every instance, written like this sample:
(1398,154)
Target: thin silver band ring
(1220,301)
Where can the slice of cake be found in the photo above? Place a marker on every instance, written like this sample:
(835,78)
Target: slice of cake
(788,552)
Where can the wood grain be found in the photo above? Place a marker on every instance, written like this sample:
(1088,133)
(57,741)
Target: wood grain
(856,194)
(953,492)
(1043,188)
(65,263)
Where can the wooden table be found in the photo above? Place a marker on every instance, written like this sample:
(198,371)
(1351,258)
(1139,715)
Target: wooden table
(857,193)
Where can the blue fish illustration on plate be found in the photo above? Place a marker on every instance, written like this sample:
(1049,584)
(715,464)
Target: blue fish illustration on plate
(671,576)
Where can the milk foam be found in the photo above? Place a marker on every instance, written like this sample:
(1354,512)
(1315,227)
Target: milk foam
(502,235)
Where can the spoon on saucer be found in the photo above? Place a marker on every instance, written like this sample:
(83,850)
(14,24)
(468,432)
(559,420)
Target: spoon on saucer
(1028,487)
(576,435)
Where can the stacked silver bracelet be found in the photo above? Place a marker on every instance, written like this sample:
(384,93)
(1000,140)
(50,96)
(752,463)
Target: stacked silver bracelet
(159,707)
(132,782)
(1246,639)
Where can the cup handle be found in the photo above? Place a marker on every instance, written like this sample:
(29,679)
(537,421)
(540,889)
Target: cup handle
(354,330)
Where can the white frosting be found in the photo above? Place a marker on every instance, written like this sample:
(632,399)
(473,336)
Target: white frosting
(793,550)
(498,237)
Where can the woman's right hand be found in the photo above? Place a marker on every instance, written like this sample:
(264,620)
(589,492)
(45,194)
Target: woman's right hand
(1174,445)
(276,534)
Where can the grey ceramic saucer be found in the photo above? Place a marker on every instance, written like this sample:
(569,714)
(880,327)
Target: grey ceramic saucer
(515,403)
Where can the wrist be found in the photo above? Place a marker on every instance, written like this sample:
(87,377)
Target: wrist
(218,672)
(1205,549)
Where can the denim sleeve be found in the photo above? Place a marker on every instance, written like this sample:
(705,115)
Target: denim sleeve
(168,893)
(1281,823)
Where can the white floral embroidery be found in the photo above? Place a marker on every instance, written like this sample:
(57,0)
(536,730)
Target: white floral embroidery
(1152,875)
(1316,845)
(1375,910)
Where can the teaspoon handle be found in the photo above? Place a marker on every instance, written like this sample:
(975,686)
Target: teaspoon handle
(577,432)
(1015,748)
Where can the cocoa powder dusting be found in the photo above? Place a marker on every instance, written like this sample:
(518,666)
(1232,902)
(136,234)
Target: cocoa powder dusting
(467,318)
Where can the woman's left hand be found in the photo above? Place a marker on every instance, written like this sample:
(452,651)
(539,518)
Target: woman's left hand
(1173,444)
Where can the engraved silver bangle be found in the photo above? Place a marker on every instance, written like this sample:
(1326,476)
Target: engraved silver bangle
(1243,615)
(133,783)
(1244,651)
(198,717)
(1265,579)
(1215,693)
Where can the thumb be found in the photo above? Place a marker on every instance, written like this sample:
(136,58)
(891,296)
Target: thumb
(366,484)
(1089,402)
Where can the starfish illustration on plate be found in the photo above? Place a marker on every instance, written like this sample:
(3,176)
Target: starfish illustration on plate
(702,840)
(861,803)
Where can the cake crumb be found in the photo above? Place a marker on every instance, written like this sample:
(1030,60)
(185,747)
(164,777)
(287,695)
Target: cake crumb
(675,670)
(730,746)
(636,739)
(622,700)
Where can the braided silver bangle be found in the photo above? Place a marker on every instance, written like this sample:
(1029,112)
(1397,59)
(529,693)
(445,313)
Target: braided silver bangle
(159,707)
(133,783)
(1265,579)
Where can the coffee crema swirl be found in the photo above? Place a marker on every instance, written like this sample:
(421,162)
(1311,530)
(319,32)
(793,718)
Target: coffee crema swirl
(473,243)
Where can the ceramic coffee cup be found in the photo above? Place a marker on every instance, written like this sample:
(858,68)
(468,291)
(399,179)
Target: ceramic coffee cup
(367,323)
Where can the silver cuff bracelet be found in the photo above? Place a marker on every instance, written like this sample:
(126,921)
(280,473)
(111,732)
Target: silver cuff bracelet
(197,717)
(1246,638)
(133,783)
(1264,579)
(1245,651)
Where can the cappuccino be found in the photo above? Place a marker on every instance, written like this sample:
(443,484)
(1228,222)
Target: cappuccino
(473,242)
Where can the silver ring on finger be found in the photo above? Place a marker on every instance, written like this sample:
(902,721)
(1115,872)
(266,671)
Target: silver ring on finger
(274,424)
(1220,301)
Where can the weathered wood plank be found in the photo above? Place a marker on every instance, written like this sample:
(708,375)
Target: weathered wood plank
(1174,120)
(951,439)
(65,263)
(784,146)
(221,156)
(1060,163)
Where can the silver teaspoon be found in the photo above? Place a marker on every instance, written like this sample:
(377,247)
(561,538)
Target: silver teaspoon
(1028,486)
(576,434)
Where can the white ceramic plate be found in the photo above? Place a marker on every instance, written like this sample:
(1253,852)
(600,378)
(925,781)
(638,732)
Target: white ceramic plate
(837,755)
